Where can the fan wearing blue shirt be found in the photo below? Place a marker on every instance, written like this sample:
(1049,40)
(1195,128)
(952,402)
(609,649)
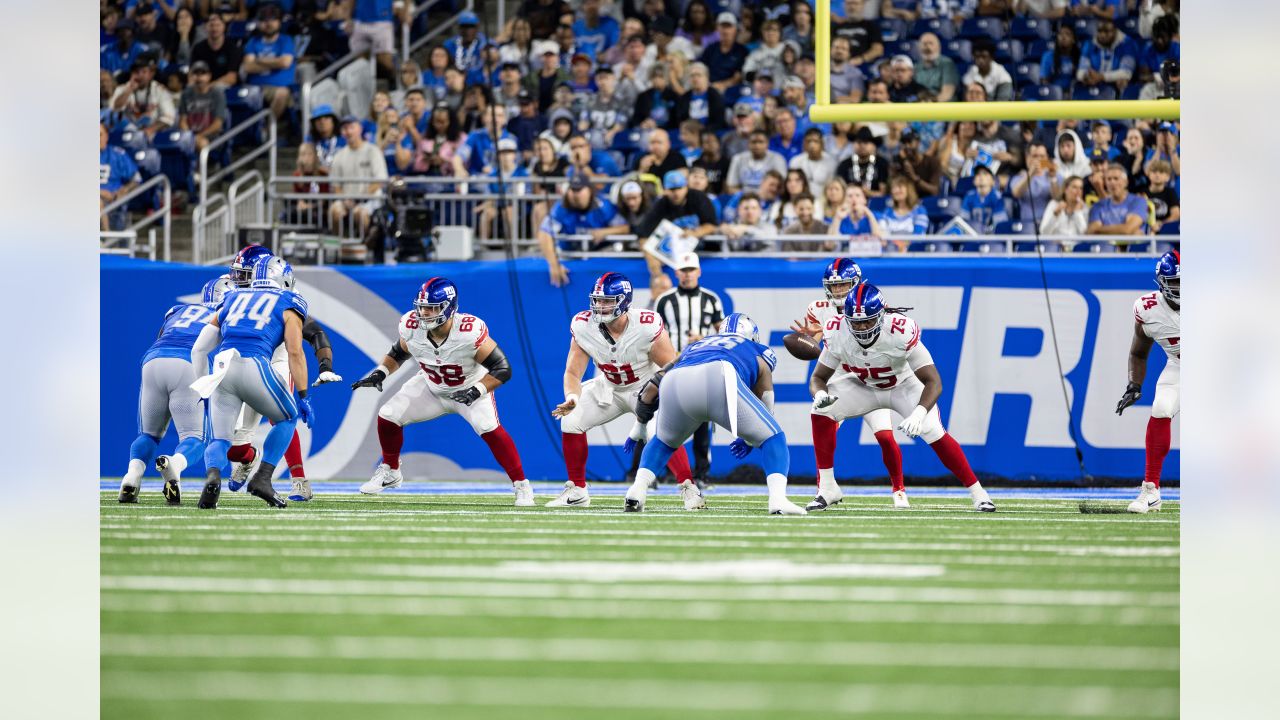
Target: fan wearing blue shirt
(1120,212)
(117,176)
(1160,48)
(983,206)
(854,217)
(785,140)
(478,153)
(269,60)
(121,54)
(1110,57)
(724,59)
(594,32)
(577,213)
(466,47)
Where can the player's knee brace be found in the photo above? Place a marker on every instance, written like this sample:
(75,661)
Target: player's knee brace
(776,457)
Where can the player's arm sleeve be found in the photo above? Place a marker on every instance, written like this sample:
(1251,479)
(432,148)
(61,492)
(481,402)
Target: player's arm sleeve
(828,359)
(398,353)
(497,365)
(315,335)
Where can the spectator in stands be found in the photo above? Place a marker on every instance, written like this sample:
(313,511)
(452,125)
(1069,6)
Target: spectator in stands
(150,33)
(995,146)
(269,60)
(182,40)
(1166,147)
(477,155)
(467,47)
(1059,64)
(698,181)
(877,92)
(1068,216)
(905,214)
(784,140)
(800,31)
(475,106)
(1110,58)
(543,83)
(807,71)
(519,49)
(769,53)
(507,170)
(547,163)
(950,150)
(907,10)
(528,123)
(1095,185)
(143,101)
(688,209)
(1119,213)
(595,32)
(983,207)
(748,168)
(935,71)
(361,160)
(815,162)
(597,166)
(921,169)
(993,77)
(432,78)
(632,68)
(1035,186)
(1135,152)
(750,227)
(796,184)
(562,123)
(903,87)
(1149,13)
(838,143)
(661,160)
(304,211)
(833,196)
(701,102)
(669,49)
(117,177)
(578,212)
(431,151)
(221,53)
(724,59)
(203,107)
(1100,136)
(865,44)
(1156,51)
(1069,156)
(324,134)
(581,81)
(745,122)
(617,53)
(1162,195)
(413,123)
(807,223)
(865,168)
(698,25)
(847,81)
(106,88)
(389,138)
(633,203)
(853,217)
(507,92)
(108,17)
(713,162)
(542,15)
(121,54)
(769,192)
(691,133)
(794,100)
(1105,9)
(1044,9)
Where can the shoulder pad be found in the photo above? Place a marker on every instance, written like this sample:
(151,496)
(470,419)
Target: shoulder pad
(408,323)
(770,358)
(472,328)
(579,321)
(1143,306)
(295,302)
(903,332)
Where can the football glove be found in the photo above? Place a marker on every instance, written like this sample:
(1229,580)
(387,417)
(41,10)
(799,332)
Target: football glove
(305,413)
(911,425)
(739,448)
(373,380)
(634,438)
(1132,393)
(467,395)
(823,400)
(327,376)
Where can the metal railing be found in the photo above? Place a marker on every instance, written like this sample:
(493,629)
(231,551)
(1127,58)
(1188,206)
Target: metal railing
(407,45)
(212,236)
(162,216)
(267,148)
(438,30)
(246,200)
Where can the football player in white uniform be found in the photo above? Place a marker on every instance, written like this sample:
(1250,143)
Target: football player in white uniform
(460,365)
(838,280)
(887,367)
(1157,318)
(627,346)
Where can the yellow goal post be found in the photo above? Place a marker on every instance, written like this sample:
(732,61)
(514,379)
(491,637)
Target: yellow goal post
(824,111)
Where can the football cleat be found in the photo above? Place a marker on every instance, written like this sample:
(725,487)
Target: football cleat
(635,498)
(383,478)
(900,500)
(524,493)
(301,490)
(692,496)
(571,497)
(129,493)
(981,501)
(172,488)
(209,495)
(783,506)
(828,494)
(240,473)
(1148,499)
(632,505)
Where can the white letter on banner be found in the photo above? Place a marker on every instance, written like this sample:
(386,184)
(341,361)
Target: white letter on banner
(985,372)
(1108,375)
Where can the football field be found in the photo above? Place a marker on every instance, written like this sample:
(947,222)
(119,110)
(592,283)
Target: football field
(453,604)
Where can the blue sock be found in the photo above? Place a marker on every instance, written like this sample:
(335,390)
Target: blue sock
(278,441)
(655,456)
(144,449)
(777,459)
(192,448)
(215,455)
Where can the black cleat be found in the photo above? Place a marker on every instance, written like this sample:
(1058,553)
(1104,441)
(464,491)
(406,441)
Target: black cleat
(819,503)
(260,486)
(129,495)
(172,493)
(212,489)
(632,505)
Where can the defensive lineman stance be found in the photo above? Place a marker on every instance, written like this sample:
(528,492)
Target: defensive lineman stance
(838,280)
(252,323)
(166,393)
(627,346)
(460,365)
(726,379)
(886,369)
(1157,319)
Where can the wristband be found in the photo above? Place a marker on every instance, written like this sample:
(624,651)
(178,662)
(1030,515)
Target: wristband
(384,369)
(326,365)
(302,393)
(573,397)
(484,389)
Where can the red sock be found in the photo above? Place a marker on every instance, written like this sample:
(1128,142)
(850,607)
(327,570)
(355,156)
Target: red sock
(1157,447)
(241,453)
(952,456)
(504,451)
(391,437)
(575,457)
(824,440)
(892,455)
(293,457)
(679,465)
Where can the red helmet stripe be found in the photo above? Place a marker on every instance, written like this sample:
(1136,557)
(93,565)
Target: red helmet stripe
(857,299)
(1177,256)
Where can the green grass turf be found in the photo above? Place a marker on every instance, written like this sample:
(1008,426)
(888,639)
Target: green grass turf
(465,607)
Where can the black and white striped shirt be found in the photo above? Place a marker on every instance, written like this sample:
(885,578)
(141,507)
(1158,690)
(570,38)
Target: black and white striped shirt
(684,311)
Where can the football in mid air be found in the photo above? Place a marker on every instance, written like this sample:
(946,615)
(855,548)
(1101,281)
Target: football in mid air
(802,346)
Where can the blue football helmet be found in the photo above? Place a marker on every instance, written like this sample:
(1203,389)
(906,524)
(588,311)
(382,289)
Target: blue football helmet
(840,273)
(272,273)
(862,305)
(741,325)
(436,303)
(611,297)
(1169,276)
(244,262)
(211,296)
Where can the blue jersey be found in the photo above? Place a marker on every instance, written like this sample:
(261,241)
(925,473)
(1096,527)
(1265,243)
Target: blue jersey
(734,349)
(182,325)
(252,321)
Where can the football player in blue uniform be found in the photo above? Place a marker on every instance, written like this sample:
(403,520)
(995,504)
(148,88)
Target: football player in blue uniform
(166,394)
(726,379)
(249,326)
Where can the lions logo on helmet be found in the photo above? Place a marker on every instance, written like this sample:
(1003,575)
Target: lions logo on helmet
(1169,276)
(864,313)
(272,272)
(244,262)
(611,297)
(840,278)
(436,303)
(211,296)
(741,325)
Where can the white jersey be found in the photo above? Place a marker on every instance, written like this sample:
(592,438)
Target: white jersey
(821,311)
(895,355)
(624,361)
(1161,323)
(451,365)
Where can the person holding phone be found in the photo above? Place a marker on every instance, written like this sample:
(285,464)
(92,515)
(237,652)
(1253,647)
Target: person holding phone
(1037,185)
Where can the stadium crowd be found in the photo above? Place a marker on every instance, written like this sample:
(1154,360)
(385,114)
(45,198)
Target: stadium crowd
(700,105)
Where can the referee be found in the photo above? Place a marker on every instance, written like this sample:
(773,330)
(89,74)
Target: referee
(691,312)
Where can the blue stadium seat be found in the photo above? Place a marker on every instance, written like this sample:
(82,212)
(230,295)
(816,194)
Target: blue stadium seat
(978,27)
(177,157)
(878,204)
(1097,92)
(239,29)
(1030,28)
(959,50)
(1046,245)
(943,28)
(963,186)
(1011,207)
(129,138)
(1042,92)
(1085,28)
(1171,228)
(892,29)
(1037,48)
(1094,247)
(1009,51)
(910,48)
(941,208)
(1131,91)
(243,101)
(1129,26)
(1027,73)
(148,162)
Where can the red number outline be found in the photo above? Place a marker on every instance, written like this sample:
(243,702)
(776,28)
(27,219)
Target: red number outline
(865,375)
(619,374)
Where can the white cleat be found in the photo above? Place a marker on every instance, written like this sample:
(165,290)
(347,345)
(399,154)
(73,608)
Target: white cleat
(524,493)
(383,478)
(981,501)
(900,500)
(692,496)
(240,474)
(300,490)
(783,506)
(635,498)
(828,494)
(1148,499)
(571,497)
